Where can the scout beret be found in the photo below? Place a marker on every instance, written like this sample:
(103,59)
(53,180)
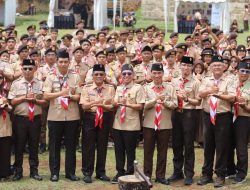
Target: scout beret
(248,38)
(98,67)
(187,60)
(122,32)
(53,30)
(43,22)
(146,48)
(111,37)
(219,32)
(24,36)
(157,67)
(31,27)
(243,65)
(62,53)
(105,28)
(181,46)
(31,38)
(217,58)
(21,48)
(28,62)
(79,31)
(49,50)
(207,51)
(67,37)
(139,30)
(174,34)
(187,37)
(159,33)
(170,52)
(10,38)
(110,50)
(158,47)
(4,51)
(33,52)
(101,52)
(150,27)
(241,48)
(77,48)
(126,67)
(91,35)
(84,40)
(44,26)
(101,32)
(121,49)
(80,22)
(247,58)
(206,40)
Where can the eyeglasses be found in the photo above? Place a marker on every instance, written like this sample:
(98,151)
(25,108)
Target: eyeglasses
(98,74)
(126,73)
(27,68)
(244,71)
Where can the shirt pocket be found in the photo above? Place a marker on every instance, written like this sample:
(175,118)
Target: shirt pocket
(56,87)
(131,97)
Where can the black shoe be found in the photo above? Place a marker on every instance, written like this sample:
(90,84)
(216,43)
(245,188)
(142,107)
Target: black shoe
(238,180)
(54,178)
(162,181)
(219,182)
(188,181)
(72,177)
(17,177)
(87,179)
(175,177)
(42,148)
(204,179)
(115,179)
(36,177)
(103,177)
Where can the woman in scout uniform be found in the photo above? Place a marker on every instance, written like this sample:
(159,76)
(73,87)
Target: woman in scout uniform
(161,98)
(129,100)
(61,88)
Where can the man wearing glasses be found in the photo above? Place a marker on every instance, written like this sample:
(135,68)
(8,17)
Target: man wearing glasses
(129,100)
(96,100)
(26,97)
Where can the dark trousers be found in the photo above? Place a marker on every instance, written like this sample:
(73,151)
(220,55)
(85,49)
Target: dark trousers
(161,137)
(27,131)
(246,25)
(44,125)
(125,145)
(5,150)
(231,167)
(183,142)
(57,130)
(216,140)
(242,131)
(95,138)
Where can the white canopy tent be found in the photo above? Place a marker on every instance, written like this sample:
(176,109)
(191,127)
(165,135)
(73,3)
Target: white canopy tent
(8,12)
(224,16)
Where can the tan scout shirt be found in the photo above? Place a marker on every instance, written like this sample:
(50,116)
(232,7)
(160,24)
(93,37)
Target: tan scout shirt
(44,71)
(169,104)
(191,88)
(19,88)
(137,45)
(56,111)
(79,68)
(193,52)
(5,67)
(245,93)
(5,124)
(89,60)
(142,70)
(173,72)
(89,93)
(225,87)
(135,94)
(16,67)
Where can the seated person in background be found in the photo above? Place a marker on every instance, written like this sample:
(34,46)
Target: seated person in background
(128,19)
(234,26)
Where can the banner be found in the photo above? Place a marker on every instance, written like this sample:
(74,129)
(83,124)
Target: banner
(216,15)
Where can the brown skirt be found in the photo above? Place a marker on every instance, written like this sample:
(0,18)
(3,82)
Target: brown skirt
(5,151)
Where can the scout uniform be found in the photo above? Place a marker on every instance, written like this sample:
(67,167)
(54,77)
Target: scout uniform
(184,126)
(69,47)
(191,50)
(241,124)
(217,121)
(126,125)
(181,50)
(101,45)
(27,122)
(170,44)
(63,120)
(170,71)
(96,132)
(157,129)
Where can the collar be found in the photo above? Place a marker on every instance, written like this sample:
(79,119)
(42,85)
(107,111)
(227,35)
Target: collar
(188,78)
(130,85)
(94,86)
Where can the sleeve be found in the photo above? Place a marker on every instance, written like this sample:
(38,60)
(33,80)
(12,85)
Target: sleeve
(84,95)
(12,92)
(231,89)
(89,77)
(196,90)
(203,85)
(140,96)
(116,98)
(148,103)
(173,102)
(47,85)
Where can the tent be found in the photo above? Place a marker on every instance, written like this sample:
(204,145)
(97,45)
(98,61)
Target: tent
(8,12)
(224,13)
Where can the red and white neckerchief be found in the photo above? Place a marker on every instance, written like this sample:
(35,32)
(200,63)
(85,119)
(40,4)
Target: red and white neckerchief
(63,84)
(99,111)
(236,105)
(138,51)
(4,113)
(158,108)
(77,69)
(31,108)
(213,101)
(123,108)
(146,69)
(180,101)
(187,52)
